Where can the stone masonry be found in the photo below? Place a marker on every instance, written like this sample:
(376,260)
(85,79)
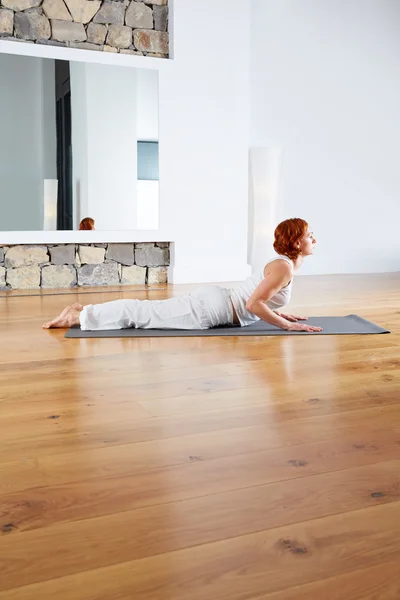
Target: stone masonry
(127,26)
(71,265)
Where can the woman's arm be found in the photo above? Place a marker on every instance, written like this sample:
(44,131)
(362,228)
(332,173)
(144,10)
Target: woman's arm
(279,275)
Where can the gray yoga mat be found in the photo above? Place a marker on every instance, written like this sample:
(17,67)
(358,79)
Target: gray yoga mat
(351,324)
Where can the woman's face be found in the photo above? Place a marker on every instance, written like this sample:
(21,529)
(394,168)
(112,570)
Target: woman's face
(307,243)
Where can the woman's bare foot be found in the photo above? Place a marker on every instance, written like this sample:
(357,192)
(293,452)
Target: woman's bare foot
(67,318)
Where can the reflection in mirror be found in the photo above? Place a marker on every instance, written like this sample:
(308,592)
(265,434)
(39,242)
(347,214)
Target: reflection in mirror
(79,140)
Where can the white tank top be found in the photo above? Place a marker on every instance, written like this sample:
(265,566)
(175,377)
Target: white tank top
(241,293)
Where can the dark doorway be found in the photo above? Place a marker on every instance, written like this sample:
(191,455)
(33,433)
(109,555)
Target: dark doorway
(64,145)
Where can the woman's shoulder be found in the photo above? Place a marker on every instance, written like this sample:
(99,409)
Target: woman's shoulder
(280,258)
(278,263)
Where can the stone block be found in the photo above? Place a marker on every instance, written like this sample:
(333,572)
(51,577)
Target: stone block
(135,52)
(151,256)
(104,274)
(84,46)
(56,9)
(31,26)
(58,276)
(62,255)
(110,49)
(147,40)
(83,11)
(64,31)
(2,277)
(6,22)
(23,278)
(23,256)
(156,2)
(139,16)
(122,253)
(96,33)
(88,255)
(19,5)
(156,55)
(157,275)
(111,13)
(1,255)
(7,38)
(119,36)
(52,43)
(133,275)
(160,18)
(162,244)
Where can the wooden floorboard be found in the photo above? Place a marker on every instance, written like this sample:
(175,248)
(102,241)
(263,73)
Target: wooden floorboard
(202,468)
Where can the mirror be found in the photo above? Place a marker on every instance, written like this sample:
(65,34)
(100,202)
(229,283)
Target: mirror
(78,140)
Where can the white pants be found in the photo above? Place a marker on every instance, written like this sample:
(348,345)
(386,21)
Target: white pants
(207,307)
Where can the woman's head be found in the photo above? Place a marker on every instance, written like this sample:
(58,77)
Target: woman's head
(292,238)
(86,224)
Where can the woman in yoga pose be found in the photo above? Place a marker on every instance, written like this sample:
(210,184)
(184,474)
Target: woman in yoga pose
(259,297)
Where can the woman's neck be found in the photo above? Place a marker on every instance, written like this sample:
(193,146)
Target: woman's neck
(298,262)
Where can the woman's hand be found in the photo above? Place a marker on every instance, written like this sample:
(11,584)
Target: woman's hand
(298,326)
(292,318)
(301,327)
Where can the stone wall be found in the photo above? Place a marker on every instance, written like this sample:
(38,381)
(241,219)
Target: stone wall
(71,265)
(125,26)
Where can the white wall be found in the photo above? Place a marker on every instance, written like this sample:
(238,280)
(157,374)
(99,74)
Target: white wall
(204,127)
(27,139)
(103,103)
(147,105)
(325,83)
(112,108)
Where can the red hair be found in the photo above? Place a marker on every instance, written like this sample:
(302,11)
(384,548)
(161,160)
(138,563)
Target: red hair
(86,223)
(287,236)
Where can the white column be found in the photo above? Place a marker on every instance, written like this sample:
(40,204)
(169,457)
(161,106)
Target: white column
(79,142)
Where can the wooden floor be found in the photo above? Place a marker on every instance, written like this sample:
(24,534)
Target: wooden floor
(202,468)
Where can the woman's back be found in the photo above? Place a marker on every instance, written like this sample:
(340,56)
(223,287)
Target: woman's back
(241,293)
